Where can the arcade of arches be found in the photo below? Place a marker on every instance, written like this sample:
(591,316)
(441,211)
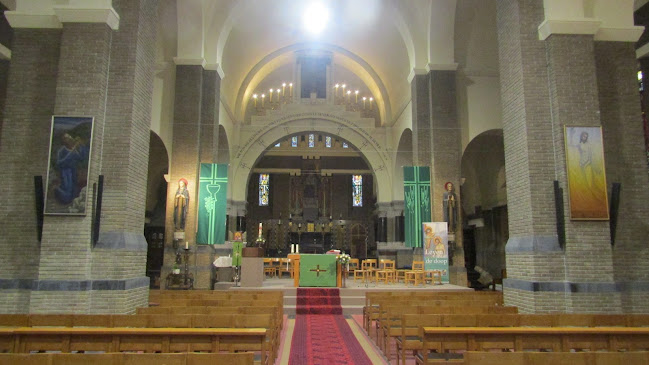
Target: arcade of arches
(480,91)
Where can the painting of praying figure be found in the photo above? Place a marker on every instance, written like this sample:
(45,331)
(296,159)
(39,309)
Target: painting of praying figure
(68,169)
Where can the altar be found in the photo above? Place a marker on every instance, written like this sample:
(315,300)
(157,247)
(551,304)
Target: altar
(316,270)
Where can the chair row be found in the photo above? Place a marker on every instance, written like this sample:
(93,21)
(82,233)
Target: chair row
(241,358)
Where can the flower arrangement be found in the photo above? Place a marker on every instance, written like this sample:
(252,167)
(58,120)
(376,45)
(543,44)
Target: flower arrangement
(344,259)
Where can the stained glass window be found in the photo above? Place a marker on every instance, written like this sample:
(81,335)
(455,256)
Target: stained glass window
(311,140)
(263,189)
(345,145)
(328,141)
(294,141)
(357,190)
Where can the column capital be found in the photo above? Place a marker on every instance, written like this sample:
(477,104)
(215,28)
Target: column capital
(48,14)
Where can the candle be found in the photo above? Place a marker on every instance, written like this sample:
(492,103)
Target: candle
(254,96)
(297,248)
(263,97)
(371,100)
(292,248)
(364,98)
(260,229)
(270,97)
(356,92)
(290,89)
(283,88)
(186,245)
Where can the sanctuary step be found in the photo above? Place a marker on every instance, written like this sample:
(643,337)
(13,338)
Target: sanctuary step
(318,301)
(351,301)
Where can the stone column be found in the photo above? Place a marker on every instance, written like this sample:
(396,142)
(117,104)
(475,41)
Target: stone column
(421,131)
(185,160)
(209,153)
(64,283)
(546,85)
(31,91)
(626,163)
(446,161)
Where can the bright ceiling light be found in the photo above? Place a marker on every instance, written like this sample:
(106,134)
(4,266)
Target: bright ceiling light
(315,18)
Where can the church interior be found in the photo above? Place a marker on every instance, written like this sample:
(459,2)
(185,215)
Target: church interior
(323,181)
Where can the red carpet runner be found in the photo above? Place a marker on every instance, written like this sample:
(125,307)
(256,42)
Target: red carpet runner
(322,335)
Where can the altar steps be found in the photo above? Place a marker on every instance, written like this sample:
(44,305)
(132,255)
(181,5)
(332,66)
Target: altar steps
(351,301)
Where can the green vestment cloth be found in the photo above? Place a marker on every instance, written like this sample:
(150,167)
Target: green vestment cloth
(318,270)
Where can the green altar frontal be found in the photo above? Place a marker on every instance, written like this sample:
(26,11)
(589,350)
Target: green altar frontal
(318,270)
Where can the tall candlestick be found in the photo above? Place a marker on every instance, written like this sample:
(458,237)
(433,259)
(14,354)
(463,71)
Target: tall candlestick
(270,97)
(263,97)
(255,98)
(260,229)
(290,89)
(371,100)
(283,88)
(186,245)
(356,92)
(364,98)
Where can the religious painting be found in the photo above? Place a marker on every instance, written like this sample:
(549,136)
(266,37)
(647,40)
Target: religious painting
(586,174)
(435,243)
(212,203)
(68,169)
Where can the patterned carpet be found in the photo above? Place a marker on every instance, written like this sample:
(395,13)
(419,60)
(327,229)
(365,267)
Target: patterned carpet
(323,340)
(318,301)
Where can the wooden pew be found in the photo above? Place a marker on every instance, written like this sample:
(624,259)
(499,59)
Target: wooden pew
(242,358)
(164,340)
(544,358)
(444,339)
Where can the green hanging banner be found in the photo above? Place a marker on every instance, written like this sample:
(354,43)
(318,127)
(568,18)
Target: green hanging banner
(416,190)
(212,203)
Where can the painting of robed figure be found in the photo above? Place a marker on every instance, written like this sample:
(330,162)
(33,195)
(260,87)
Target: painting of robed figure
(68,169)
(586,173)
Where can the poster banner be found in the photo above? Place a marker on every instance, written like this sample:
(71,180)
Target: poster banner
(416,190)
(212,204)
(436,247)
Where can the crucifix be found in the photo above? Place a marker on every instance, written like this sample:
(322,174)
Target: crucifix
(318,270)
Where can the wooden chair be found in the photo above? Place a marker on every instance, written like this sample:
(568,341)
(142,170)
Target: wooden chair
(434,276)
(415,276)
(369,267)
(354,264)
(269,269)
(386,272)
(285,265)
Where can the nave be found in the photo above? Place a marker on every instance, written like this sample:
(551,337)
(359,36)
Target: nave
(281,325)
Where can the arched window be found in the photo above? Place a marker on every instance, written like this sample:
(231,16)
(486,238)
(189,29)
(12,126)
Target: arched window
(357,190)
(264,190)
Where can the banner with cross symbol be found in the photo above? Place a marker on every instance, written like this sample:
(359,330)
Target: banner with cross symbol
(212,203)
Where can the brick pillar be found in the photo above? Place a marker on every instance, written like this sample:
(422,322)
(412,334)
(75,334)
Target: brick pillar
(185,158)
(625,164)
(121,252)
(546,85)
(31,90)
(446,161)
(65,262)
(421,132)
(209,153)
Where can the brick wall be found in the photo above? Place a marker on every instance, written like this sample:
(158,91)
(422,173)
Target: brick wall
(421,129)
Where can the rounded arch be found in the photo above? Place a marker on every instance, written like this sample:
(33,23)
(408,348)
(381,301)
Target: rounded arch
(403,157)
(156,192)
(483,161)
(344,57)
(224,146)
(257,144)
